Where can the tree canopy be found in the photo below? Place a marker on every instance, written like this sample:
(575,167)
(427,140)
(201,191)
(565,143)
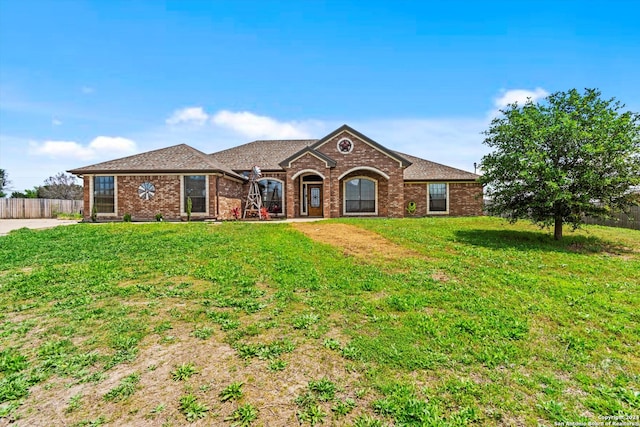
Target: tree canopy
(61,186)
(4,182)
(556,161)
(26,194)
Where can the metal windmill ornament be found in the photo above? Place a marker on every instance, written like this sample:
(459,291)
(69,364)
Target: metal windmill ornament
(254,199)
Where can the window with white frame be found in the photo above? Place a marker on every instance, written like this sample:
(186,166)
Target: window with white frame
(195,187)
(271,193)
(438,197)
(360,196)
(104,194)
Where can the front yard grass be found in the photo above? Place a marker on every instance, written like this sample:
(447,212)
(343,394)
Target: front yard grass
(480,323)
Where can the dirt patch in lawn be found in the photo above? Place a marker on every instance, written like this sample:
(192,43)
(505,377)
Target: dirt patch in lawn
(156,398)
(355,241)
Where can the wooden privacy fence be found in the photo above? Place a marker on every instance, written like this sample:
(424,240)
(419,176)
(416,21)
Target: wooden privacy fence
(37,208)
(622,220)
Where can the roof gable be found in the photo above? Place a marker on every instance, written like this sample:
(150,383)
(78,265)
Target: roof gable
(178,158)
(286,163)
(384,150)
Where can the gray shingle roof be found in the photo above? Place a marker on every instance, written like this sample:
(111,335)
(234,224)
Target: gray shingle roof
(426,170)
(265,154)
(178,158)
(268,154)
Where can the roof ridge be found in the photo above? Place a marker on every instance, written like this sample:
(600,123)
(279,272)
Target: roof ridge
(435,163)
(133,155)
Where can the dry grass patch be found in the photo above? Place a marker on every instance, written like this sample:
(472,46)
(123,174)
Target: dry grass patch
(355,241)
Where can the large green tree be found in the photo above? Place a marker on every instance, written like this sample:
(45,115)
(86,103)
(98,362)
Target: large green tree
(555,161)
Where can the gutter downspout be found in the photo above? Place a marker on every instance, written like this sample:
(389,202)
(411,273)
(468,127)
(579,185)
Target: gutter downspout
(218,196)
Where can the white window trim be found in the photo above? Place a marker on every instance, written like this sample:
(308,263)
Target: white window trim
(364,168)
(306,172)
(303,195)
(282,196)
(206,196)
(115,196)
(444,212)
(344,197)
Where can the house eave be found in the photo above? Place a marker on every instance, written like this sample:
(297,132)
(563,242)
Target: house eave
(79,172)
(431,180)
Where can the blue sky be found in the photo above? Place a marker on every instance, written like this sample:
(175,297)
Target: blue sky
(87,81)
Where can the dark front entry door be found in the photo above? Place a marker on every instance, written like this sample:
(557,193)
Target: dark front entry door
(314,198)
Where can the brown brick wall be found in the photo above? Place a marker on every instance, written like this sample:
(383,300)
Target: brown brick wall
(391,200)
(86,191)
(465,199)
(165,201)
(292,189)
(230,195)
(416,193)
(167,197)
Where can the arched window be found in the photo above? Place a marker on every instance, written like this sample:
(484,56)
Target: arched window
(271,193)
(360,196)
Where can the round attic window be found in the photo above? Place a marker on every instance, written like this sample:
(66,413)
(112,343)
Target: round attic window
(146,191)
(345,145)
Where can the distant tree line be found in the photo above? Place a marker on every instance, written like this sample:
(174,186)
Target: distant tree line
(60,186)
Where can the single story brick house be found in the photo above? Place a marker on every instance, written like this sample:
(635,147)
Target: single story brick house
(342,174)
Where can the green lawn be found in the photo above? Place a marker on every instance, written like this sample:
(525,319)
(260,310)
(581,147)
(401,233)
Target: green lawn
(251,324)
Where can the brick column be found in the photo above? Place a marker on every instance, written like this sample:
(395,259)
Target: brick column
(289,191)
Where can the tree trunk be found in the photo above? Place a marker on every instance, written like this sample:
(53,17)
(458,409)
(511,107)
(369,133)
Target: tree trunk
(557,229)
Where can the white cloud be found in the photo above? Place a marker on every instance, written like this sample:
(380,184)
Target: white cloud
(55,122)
(87,90)
(100,147)
(188,115)
(114,144)
(58,149)
(519,95)
(255,126)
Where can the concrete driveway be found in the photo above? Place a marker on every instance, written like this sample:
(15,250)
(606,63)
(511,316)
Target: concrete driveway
(6,225)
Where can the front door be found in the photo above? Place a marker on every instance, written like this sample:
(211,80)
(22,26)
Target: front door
(314,197)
